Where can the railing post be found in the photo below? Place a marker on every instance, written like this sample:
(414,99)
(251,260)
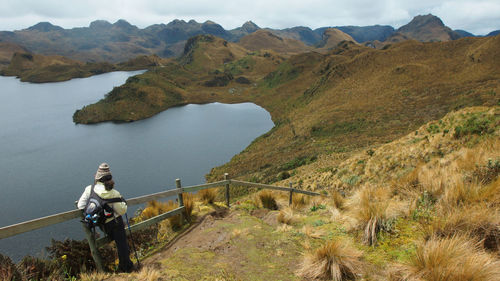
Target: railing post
(181,199)
(291,195)
(93,248)
(226,177)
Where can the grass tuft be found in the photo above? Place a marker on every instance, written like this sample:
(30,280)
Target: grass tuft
(299,201)
(336,260)
(455,258)
(338,200)
(370,209)
(478,222)
(189,200)
(286,216)
(94,276)
(268,200)
(207,196)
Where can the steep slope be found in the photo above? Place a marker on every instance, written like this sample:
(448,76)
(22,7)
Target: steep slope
(494,33)
(207,52)
(332,37)
(266,40)
(437,183)
(300,33)
(363,33)
(428,28)
(7,50)
(349,99)
(357,97)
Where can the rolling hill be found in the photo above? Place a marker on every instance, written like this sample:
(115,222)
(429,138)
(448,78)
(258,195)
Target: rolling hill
(331,38)
(351,98)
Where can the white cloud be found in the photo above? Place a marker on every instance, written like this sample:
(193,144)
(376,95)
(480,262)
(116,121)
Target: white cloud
(480,16)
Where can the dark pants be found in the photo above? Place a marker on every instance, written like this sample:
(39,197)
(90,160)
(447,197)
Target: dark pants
(116,231)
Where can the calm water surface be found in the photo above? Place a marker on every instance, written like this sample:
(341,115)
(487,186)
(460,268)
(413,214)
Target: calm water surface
(46,160)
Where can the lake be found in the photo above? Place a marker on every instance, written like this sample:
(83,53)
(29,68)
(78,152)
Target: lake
(46,160)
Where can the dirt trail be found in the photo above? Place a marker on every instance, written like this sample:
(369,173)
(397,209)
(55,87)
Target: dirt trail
(225,245)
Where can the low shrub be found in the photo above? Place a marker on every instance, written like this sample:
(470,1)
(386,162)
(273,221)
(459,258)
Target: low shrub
(8,270)
(32,268)
(74,256)
(268,200)
(336,260)
(475,124)
(487,173)
(283,175)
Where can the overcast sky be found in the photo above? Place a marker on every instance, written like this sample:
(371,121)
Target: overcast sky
(476,16)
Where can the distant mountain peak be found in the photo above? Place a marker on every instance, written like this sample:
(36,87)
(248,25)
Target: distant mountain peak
(100,24)
(45,27)
(422,21)
(249,27)
(428,28)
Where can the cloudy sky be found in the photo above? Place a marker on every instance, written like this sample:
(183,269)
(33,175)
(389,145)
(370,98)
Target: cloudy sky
(476,16)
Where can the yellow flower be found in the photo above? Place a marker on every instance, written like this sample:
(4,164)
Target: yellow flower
(64,257)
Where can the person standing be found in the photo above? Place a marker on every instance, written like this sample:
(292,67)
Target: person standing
(113,226)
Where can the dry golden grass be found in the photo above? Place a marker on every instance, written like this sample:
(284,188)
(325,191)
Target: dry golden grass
(312,232)
(189,200)
(148,274)
(94,276)
(452,259)
(460,194)
(155,208)
(268,199)
(286,216)
(336,260)
(369,206)
(299,201)
(207,196)
(337,200)
(479,222)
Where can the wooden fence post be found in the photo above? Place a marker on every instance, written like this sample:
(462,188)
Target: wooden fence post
(226,177)
(291,195)
(93,248)
(181,199)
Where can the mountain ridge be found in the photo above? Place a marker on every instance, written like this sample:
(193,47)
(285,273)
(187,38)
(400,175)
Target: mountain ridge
(120,41)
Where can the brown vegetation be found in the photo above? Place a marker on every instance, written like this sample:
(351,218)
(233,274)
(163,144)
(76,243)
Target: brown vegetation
(336,260)
(454,258)
(268,199)
(207,196)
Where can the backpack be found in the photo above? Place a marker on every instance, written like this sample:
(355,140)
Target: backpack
(97,210)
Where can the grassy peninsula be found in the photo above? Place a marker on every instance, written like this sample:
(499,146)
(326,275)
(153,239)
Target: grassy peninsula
(351,98)
(37,68)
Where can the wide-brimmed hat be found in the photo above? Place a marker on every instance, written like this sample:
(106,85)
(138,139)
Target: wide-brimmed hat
(102,171)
